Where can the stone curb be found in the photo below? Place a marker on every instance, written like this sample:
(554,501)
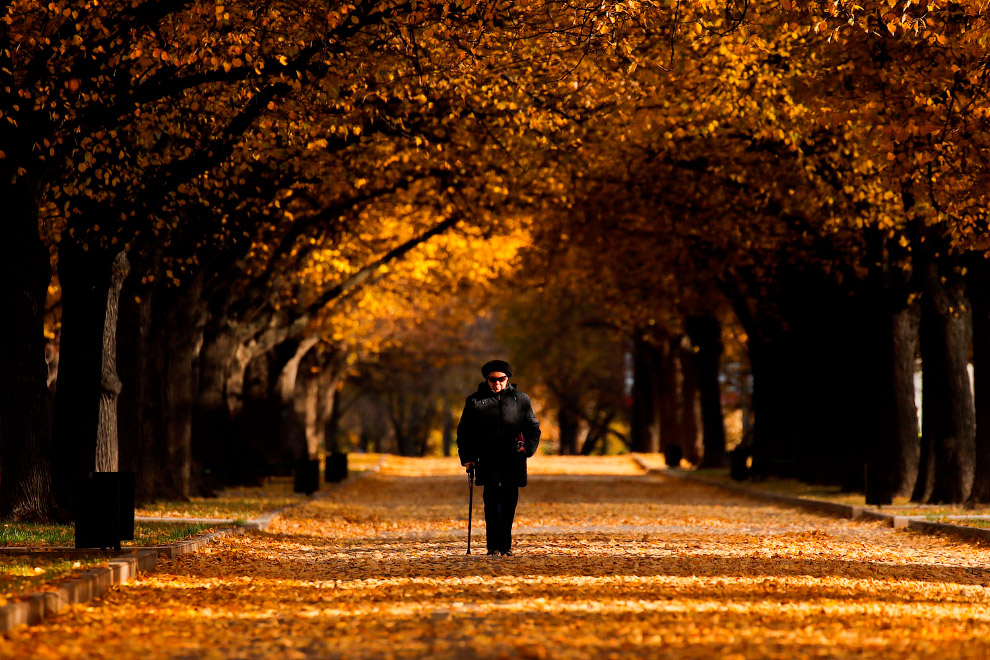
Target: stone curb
(836,509)
(89,585)
(122,568)
(93,583)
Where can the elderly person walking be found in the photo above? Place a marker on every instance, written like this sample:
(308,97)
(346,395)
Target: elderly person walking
(498,431)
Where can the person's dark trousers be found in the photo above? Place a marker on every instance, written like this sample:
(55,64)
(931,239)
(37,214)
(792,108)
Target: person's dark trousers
(500,509)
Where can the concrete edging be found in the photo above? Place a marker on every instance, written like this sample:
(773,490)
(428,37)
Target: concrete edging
(93,583)
(911,523)
(89,585)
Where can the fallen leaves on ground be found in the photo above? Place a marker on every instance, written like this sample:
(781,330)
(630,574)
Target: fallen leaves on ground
(232,503)
(605,566)
(23,575)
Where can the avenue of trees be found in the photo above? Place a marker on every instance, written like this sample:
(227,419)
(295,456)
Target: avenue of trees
(217,214)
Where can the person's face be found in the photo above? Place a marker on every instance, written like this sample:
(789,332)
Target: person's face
(498,381)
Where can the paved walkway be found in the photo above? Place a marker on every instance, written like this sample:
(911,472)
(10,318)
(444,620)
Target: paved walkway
(607,566)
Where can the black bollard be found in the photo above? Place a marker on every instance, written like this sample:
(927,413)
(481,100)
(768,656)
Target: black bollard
(739,464)
(878,484)
(104,511)
(306,476)
(672,456)
(336,467)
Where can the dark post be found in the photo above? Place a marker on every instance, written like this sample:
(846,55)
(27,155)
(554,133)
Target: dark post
(739,464)
(306,476)
(672,455)
(104,514)
(878,486)
(335,467)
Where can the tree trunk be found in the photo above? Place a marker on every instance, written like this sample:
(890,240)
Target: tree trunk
(214,440)
(140,436)
(25,434)
(948,417)
(181,334)
(259,420)
(448,428)
(85,279)
(293,429)
(773,450)
(328,412)
(689,395)
(568,425)
(107,447)
(979,294)
(332,432)
(706,335)
(644,413)
(668,395)
(905,443)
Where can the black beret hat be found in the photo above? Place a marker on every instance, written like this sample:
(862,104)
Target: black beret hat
(496,365)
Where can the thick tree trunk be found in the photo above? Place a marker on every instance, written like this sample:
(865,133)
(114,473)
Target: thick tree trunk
(294,424)
(85,279)
(568,424)
(979,295)
(328,412)
(25,435)
(140,403)
(905,442)
(332,432)
(181,335)
(644,412)
(690,402)
(214,440)
(948,417)
(259,420)
(272,428)
(309,387)
(107,447)
(706,336)
(668,395)
(773,449)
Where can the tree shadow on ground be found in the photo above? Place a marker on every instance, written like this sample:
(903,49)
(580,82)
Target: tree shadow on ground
(320,558)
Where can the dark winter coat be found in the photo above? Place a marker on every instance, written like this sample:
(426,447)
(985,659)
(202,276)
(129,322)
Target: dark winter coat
(487,432)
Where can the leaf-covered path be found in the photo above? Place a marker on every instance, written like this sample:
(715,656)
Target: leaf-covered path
(607,565)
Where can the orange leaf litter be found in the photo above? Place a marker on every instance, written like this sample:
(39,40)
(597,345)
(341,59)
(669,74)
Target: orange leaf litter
(610,563)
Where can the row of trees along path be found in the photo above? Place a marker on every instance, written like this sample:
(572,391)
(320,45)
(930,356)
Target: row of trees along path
(611,562)
(813,173)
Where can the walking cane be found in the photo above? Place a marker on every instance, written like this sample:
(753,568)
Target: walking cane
(470,503)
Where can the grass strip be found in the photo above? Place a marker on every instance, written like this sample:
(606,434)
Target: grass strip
(20,575)
(233,503)
(47,535)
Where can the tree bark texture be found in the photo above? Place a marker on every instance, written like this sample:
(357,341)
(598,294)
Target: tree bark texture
(25,434)
(706,336)
(259,421)
(214,440)
(979,295)
(568,425)
(690,401)
(668,394)
(644,412)
(85,278)
(180,333)
(905,443)
(107,448)
(139,413)
(293,428)
(948,417)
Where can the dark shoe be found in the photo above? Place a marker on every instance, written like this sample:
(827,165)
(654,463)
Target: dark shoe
(493,552)
(507,553)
